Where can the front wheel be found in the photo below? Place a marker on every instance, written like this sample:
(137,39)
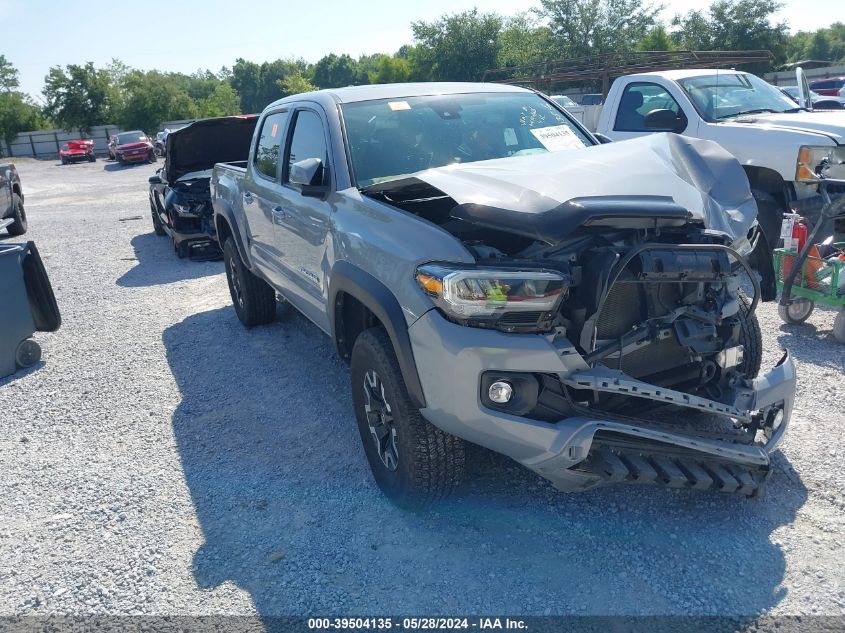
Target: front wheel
(413,462)
(157,225)
(18,226)
(253,298)
(751,338)
(798,311)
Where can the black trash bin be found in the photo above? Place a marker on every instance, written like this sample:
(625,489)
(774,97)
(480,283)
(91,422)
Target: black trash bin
(27,305)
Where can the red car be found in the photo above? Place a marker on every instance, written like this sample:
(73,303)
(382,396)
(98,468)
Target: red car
(134,147)
(73,151)
(829,87)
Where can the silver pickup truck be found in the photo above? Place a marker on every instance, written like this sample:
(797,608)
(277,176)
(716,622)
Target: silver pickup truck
(12,214)
(494,275)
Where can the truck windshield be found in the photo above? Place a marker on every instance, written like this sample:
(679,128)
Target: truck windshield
(726,95)
(391,138)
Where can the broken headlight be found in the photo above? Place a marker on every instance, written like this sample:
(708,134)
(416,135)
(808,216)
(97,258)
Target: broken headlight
(510,300)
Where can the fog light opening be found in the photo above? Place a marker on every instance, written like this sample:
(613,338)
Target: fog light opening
(500,392)
(777,420)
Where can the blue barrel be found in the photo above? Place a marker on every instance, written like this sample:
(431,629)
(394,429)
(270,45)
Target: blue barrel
(27,305)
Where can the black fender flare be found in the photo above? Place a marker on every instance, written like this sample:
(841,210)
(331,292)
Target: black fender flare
(373,294)
(225,214)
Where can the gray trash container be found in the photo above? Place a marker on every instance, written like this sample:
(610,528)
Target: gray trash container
(27,305)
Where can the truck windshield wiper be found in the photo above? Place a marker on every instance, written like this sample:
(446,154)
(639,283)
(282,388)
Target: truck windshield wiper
(755,111)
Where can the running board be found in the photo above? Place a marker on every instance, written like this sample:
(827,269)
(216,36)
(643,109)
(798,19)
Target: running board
(608,380)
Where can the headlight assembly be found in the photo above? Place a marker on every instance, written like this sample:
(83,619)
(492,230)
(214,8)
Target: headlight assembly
(505,299)
(817,162)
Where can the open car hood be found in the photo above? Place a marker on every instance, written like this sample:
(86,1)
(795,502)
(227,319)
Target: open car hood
(545,196)
(198,146)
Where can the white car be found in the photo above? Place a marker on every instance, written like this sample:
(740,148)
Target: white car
(573,108)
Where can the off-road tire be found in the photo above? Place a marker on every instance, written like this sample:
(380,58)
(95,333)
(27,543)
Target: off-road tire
(253,298)
(430,462)
(751,338)
(18,227)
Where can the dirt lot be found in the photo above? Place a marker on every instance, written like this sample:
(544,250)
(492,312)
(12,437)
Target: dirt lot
(163,460)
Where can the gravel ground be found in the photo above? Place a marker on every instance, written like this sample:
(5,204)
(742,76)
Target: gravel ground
(163,460)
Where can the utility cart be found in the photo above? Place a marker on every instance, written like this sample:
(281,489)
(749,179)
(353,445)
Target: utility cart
(806,280)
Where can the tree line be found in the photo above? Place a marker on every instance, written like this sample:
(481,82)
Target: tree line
(454,47)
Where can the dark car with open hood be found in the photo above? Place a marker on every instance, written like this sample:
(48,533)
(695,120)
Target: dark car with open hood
(180,200)
(494,275)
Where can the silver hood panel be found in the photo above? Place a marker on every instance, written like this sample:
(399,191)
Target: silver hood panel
(697,175)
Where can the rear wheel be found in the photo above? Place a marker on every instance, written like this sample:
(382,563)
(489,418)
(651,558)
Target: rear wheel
(18,227)
(253,298)
(413,462)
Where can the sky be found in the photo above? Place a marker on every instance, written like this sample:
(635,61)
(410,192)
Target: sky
(186,35)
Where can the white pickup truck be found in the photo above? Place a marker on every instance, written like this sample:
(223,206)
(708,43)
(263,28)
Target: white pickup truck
(781,146)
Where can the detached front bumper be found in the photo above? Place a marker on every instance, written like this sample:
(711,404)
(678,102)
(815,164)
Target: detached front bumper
(585,450)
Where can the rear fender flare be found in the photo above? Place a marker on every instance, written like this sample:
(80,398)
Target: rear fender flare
(225,224)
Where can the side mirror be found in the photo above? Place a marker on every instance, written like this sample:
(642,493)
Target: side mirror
(664,120)
(308,175)
(155,180)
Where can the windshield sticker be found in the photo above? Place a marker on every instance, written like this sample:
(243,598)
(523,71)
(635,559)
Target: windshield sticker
(557,137)
(274,130)
(510,137)
(399,105)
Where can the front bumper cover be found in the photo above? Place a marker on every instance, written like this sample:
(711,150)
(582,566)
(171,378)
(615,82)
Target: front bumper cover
(577,453)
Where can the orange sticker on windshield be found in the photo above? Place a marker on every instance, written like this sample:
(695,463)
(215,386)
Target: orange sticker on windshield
(274,130)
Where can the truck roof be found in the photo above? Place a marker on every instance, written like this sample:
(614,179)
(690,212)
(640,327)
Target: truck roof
(684,73)
(352,94)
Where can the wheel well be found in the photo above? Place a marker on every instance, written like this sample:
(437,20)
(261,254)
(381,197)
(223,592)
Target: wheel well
(351,318)
(768,180)
(223,229)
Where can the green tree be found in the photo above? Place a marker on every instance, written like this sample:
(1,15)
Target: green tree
(151,98)
(592,27)
(460,46)
(523,41)
(734,25)
(657,39)
(334,71)
(295,83)
(819,46)
(246,80)
(8,75)
(391,70)
(78,97)
(223,101)
(17,114)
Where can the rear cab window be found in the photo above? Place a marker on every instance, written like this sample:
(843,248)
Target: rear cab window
(268,148)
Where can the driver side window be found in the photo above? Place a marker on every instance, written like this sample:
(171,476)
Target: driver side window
(637,101)
(308,140)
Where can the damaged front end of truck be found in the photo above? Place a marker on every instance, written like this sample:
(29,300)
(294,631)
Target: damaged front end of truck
(608,324)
